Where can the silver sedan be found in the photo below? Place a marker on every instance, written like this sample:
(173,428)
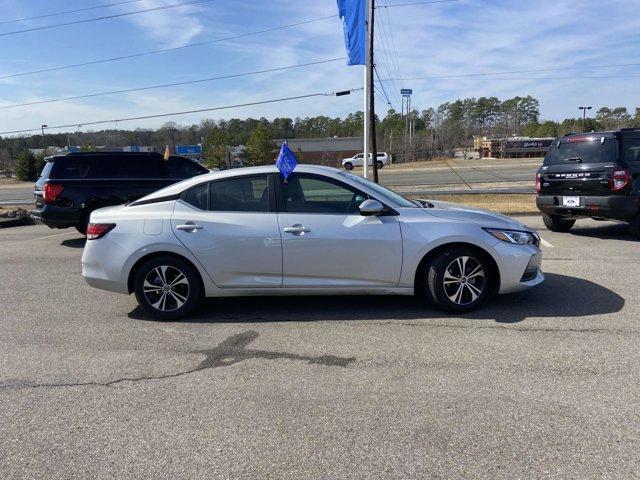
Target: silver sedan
(322,231)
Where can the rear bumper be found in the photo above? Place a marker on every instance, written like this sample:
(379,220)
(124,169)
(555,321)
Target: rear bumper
(618,207)
(56,217)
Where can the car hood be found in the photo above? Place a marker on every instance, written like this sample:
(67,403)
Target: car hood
(462,213)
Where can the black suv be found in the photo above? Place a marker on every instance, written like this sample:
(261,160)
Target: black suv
(70,187)
(591,175)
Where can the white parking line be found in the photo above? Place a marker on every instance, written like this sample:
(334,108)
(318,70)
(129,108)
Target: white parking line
(545,243)
(51,236)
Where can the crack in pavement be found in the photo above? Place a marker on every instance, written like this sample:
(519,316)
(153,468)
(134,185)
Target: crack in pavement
(508,329)
(231,351)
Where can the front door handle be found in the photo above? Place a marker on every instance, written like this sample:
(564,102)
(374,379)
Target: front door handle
(296,229)
(189,227)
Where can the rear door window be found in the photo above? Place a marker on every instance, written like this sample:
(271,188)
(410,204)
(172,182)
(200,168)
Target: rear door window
(582,149)
(244,194)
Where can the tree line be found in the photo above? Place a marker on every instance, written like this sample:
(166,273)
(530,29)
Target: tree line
(435,131)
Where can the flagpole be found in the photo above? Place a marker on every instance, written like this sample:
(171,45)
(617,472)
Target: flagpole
(365,90)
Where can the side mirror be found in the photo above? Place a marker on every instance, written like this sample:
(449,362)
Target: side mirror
(370,208)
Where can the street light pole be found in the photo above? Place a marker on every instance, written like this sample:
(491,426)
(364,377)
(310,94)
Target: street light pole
(44,143)
(584,115)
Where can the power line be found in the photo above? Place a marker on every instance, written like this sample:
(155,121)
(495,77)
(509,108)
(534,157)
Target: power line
(375,70)
(511,72)
(391,5)
(165,85)
(106,17)
(186,112)
(66,12)
(165,50)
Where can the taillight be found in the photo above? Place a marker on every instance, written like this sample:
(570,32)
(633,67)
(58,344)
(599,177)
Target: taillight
(51,191)
(619,179)
(538,182)
(98,230)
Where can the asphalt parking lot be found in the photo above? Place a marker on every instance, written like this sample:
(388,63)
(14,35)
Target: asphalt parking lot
(540,384)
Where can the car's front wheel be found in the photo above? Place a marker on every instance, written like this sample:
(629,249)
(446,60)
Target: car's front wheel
(379,164)
(457,280)
(348,166)
(556,223)
(167,288)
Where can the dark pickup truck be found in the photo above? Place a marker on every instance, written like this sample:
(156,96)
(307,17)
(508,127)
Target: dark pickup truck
(71,186)
(591,175)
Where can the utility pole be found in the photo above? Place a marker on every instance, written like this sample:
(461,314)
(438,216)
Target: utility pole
(584,115)
(173,131)
(372,109)
(44,143)
(79,136)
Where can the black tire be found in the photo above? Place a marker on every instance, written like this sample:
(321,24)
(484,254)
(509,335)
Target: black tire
(179,300)
(448,288)
(379,164)
(83,224)
(556,223)
(348,166)
(634,226)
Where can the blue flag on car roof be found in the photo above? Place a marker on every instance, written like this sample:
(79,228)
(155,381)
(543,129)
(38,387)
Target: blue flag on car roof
(286,161)
(352,13)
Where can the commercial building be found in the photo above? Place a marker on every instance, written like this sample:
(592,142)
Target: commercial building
(324,151)
(511,147)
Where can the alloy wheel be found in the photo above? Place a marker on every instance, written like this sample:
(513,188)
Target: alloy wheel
(166,288)
(464,280)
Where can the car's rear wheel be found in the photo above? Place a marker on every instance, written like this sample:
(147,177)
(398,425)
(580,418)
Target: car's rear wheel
(348,166)
(379,164)
(634,226)
(556,223)
(167,288)
(457,280)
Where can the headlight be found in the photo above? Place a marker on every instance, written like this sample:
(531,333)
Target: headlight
(515,236)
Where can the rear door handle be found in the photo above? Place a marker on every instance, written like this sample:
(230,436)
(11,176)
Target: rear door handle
(189,227)
(296,229)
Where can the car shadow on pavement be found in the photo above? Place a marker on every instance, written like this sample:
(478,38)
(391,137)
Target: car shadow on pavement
(558,296)
(74,242)
(608,231)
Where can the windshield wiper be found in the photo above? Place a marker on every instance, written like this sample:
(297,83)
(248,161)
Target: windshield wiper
(574,159)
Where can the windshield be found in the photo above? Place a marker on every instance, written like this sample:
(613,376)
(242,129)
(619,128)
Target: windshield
(589,149)
(385,192)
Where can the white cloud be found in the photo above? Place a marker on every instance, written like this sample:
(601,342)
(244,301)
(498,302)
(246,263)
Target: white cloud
(172,27)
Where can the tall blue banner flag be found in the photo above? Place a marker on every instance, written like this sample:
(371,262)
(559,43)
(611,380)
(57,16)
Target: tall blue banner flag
(352,13)
(286,161)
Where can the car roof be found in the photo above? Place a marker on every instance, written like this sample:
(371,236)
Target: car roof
(180,187)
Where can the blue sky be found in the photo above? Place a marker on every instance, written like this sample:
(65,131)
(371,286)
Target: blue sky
(468,36)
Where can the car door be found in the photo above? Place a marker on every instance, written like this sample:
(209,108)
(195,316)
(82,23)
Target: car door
(231,227)
(327,243)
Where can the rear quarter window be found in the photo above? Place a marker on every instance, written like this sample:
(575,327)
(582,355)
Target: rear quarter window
(46,171)
(631,151)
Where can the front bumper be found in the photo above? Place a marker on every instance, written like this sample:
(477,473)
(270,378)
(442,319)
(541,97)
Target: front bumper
(618,207)
(520,266)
